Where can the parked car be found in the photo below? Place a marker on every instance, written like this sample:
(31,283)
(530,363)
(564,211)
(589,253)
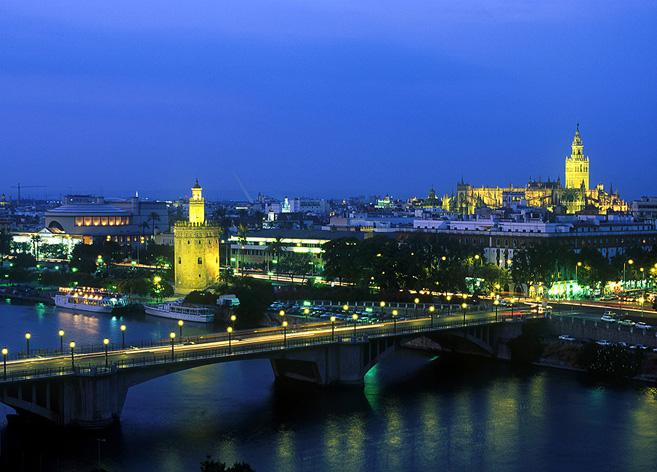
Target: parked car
(643,347)
(567,337)
(607,318)
(626,322)
(622,344)
(642,325)
(603,342)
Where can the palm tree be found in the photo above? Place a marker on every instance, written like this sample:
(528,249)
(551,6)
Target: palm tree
(153,217)
(275,249)
(242,231)
(36,239)
(5,245)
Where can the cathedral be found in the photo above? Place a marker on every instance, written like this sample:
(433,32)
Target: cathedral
(574,197)
(196,248)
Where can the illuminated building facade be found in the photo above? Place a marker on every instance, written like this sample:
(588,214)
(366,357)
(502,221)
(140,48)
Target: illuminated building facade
(575,197)
(125,221)
(196,248)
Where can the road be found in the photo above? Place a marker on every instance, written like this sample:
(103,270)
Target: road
(239,341)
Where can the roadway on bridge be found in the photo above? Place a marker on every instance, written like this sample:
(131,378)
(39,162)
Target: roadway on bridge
(242,339)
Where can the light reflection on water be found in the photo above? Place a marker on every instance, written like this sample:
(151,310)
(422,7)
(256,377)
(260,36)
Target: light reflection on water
(412,414)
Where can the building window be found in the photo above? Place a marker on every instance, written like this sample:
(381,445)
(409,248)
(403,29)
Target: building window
(200,260)
(179,260)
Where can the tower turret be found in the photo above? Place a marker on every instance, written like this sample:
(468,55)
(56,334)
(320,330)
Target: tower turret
(577,165)
(197,205)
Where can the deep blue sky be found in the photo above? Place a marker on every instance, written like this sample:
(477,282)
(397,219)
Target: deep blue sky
(323,97)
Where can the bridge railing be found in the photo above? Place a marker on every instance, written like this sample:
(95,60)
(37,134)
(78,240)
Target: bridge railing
(237,350)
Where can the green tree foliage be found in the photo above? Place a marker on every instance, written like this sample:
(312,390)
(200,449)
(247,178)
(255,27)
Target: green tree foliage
(610,363)
(210,465)
(414,261)
(255,297)
(5,244)
(84,256)
(295,263)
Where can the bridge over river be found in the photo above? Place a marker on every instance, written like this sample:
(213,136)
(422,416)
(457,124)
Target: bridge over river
(87,385)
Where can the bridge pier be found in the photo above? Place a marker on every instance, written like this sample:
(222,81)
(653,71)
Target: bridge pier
(343,363)
(83,401)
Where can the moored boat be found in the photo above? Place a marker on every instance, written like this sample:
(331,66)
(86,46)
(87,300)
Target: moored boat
(88,299)
(177,311)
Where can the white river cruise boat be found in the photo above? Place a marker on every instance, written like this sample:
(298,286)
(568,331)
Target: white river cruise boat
(177,311)
(88,299)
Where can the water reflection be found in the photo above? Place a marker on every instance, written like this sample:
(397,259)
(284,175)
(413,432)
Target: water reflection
(414,413)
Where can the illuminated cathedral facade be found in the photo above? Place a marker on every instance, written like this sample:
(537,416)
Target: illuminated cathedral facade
(574,197)
(196,248)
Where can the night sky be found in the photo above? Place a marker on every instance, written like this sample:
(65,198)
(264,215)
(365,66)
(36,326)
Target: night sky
(323,97)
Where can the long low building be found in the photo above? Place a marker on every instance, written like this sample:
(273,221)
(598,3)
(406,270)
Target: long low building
(96,218)
(261,249)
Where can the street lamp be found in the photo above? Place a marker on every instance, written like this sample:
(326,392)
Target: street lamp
(230,339)
(180,326)
(394,320)
(172,336)
(28,336)
(281,313)
(641,301)
(431,310)
(345,307)
(5,351)
(496,302)
(72,346)
(284,324)
(382,304)
(106,344)
(355,318)
(123,328)
(449,304)
(625,264)
(332,328)
(61,341)
(577,266)
(464,307)
(233,319)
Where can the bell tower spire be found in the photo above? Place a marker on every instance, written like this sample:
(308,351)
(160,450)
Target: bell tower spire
(577,165)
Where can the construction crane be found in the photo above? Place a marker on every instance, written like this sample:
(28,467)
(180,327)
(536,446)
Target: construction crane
(19,187)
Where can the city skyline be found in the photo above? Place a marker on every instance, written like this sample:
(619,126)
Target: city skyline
(329,100)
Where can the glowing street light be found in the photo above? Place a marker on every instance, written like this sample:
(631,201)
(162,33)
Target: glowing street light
(464,307)
(72,346)
(5,351)
(180,327)
(496,302)
(394,320)
(431,311)
(382,304)
(355,318)
(229,330)
(28,336)
(172,336)
(281,313)
(345,307)
(123,328)
(106,345)
(625,264)
(332,328)
(61,340)
(284,325)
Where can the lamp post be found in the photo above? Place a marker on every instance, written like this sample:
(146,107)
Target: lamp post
(106,344)
(625,264)
(233,319)
(123,328)
(180,327)
(577,266)
(72,346)
(281,313)
(284,324)
(416,301)
(5,351)
(449,304)
(61,341)
(464,307)
(355,318)
(512,300)
(332,328)
(229,330)
(496,303)
(345,307)
(172,336)
(431,310)
(394,320)
(641,301)
(28,336)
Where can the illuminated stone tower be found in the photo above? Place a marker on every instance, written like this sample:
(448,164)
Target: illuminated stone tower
(577,165)
(196,248)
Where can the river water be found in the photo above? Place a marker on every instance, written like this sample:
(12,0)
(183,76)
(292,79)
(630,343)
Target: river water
(415,413)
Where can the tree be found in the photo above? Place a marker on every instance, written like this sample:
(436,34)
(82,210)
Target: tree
(242,232)
(5,244)
(295,263)
(35,240)
(276,249)
(153,217)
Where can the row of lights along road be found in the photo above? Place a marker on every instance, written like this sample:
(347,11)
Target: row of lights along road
(123,328)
